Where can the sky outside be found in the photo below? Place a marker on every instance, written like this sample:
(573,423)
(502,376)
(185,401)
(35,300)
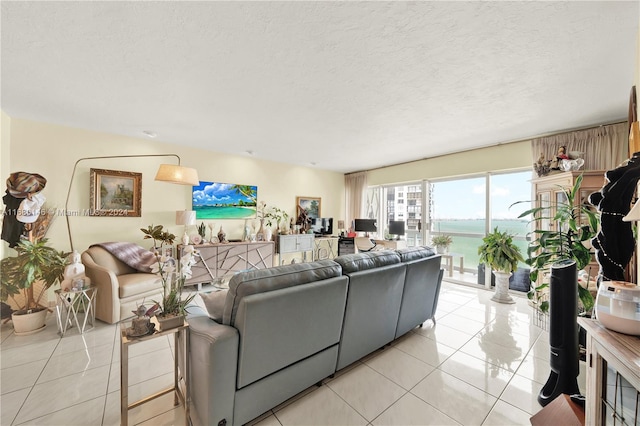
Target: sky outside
(465,198)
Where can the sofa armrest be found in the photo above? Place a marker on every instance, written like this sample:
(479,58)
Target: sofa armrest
(108,287)
(213,352)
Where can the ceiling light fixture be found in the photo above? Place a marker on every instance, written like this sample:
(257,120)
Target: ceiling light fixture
(150,133)
(249,152)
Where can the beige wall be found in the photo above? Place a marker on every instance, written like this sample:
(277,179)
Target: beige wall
(52,150)
(5,156)
(496,158)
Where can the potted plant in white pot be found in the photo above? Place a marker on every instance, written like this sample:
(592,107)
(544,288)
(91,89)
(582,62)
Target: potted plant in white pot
(34,261)
(278,216)
(442,243)
(502,255)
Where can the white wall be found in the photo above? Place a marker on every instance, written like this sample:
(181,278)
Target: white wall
(52,150)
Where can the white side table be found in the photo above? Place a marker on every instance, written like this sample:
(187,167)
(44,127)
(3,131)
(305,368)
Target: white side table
(77,307)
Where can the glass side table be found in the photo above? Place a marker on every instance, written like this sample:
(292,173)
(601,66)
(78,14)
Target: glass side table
(77,307)
(180,395)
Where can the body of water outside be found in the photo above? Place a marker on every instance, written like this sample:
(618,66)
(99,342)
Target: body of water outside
(468,245)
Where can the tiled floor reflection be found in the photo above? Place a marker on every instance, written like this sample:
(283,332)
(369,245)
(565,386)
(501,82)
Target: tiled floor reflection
(481,364)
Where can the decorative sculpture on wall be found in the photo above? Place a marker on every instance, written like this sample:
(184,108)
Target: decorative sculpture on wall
(614,244)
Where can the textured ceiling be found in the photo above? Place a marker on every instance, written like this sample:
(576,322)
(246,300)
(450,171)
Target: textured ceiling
(347,85)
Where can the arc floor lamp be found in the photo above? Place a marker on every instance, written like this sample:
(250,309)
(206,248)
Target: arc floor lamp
(172,173)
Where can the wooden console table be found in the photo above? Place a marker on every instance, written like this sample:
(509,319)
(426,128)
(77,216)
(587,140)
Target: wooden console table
(613,371)
(219,259)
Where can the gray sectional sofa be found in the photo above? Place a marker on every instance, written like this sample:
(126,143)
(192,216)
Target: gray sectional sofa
(286,328)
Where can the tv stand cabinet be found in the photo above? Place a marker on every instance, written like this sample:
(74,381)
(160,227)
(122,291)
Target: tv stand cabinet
(219,259)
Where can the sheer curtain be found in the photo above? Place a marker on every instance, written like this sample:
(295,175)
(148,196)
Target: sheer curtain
(603,147)
(355,187)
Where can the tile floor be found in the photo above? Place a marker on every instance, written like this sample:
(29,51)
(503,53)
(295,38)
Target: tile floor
(482,364)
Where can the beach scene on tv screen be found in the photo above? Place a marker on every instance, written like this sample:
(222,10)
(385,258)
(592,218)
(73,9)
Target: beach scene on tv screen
(213,200)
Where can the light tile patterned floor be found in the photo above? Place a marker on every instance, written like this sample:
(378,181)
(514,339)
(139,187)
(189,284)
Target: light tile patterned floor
(483,363)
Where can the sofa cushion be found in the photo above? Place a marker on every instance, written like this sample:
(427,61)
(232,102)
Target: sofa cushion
(414,253)
(367,260)
(214,302)
(264,280)
(138,283)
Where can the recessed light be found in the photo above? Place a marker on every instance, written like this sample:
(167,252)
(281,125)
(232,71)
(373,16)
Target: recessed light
(313,163)
(249,152)
(150,133)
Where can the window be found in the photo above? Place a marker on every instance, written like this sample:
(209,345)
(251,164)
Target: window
(458,208)
(403,202)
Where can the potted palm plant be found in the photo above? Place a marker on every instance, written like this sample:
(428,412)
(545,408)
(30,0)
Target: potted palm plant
(502,255)
(442,243)
(577,224)
(34,261)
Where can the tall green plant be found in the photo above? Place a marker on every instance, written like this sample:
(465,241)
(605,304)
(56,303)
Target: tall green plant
(575,225)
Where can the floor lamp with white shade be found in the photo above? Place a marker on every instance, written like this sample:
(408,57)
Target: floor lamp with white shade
(172,173)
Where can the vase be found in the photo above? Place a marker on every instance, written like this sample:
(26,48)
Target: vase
(268,233)
(501,294)
(441,249)
(170,321)
(222,236)
(260,234)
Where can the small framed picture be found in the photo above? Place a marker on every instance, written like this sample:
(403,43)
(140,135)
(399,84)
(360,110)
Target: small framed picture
(114,193)
(310,205)
(167,251)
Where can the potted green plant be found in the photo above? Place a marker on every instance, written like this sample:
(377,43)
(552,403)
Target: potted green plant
(34,261)
(278,216)
(575,225)
(173,303)
(502,255)
(442,243)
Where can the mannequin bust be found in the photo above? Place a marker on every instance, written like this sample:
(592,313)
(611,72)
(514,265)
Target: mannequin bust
(74,276)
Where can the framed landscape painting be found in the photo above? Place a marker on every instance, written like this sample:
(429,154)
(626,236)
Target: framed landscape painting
(311,206)
(213,200)
(115,193)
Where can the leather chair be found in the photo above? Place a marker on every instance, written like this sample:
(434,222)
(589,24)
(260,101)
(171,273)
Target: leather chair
(121,288)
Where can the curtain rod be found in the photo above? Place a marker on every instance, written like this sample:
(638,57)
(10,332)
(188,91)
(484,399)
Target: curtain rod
(543,135)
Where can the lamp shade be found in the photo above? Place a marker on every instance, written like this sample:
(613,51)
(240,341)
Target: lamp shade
(185,217)
(177,174)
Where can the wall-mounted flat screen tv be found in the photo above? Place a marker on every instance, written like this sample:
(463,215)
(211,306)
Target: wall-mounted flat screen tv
(213,200)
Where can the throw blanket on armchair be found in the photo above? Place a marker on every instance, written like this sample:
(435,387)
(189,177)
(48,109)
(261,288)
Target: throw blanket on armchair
(131,254)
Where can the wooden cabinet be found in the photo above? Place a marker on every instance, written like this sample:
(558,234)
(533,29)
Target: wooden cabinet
(217,260)
(548,192)
(613,375)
